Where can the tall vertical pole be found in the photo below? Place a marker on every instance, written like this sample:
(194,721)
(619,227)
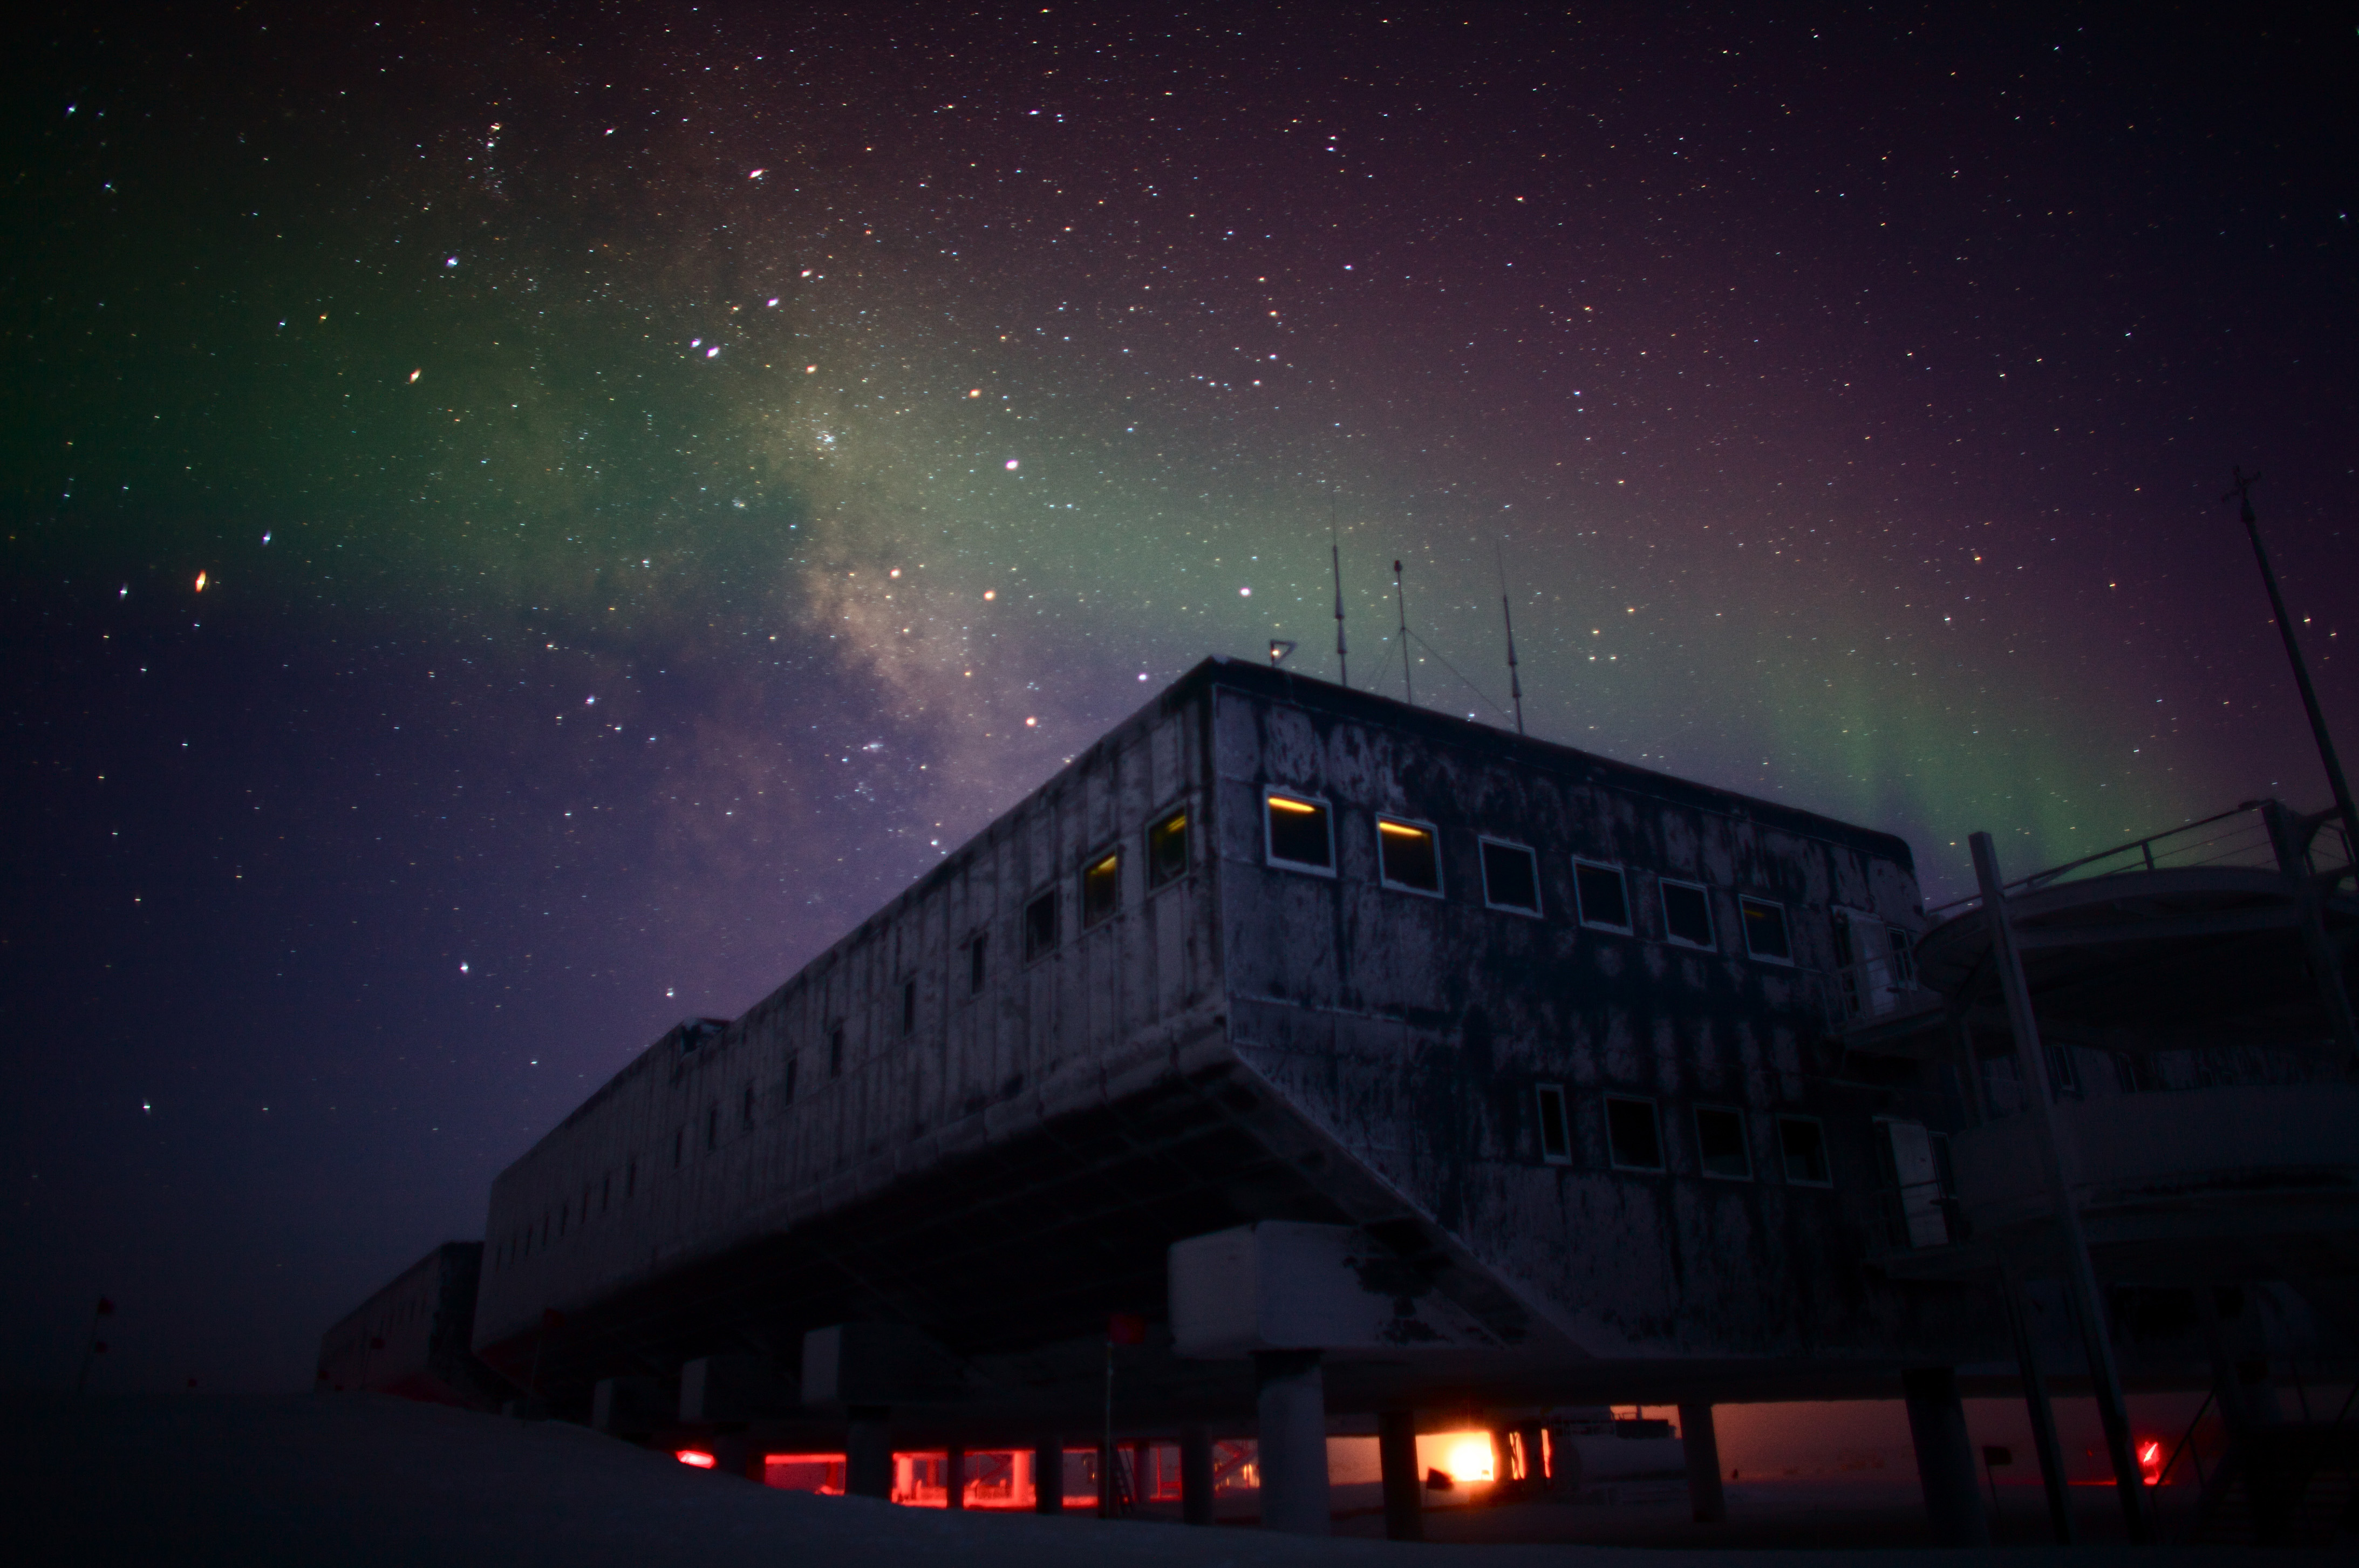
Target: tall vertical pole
(2035,1404)
(2080,1279)
(1515,684)
(1402,599)
(1335,559)
(2243,495)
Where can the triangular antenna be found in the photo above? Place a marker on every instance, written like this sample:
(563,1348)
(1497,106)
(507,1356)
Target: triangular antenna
(1515,683)
(1402,599)
(1279,649)
(1335,559)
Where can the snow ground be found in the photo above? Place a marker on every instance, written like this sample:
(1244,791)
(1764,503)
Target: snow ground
(358,1481)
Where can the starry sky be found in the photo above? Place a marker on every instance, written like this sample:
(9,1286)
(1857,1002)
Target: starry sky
(525,523)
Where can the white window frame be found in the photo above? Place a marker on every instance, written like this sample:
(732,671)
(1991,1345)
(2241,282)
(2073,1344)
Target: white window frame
(1268,848)
(1580,863)
(1662,1153)
(1483,870)
(1744,1143)
(1711,925)
(1543,1095)
(1785,916)
(1439,880)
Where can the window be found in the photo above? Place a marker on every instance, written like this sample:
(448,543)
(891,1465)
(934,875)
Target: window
(606,1193)
(1634,1135)
(1910,1162)
(1687,913)
(1720,1144)
(1408,856)
(746,1113)
(909,1006)
(1604,897)
(1802,1144)
(835,1051)
(1765,931)
(1299,835)
(786,1082)
(1167,849)
(1556,1133)
(679,1143)
(1511,877)
(1040,926)
(1101,888)
(630,1179)
(978,963)
(713,1125)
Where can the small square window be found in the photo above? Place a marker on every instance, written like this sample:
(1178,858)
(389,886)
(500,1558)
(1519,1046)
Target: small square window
(1687,913)
(1720,1143)
(1298,833)
(1765,931)
(1802,1144)
(1040,926)
(835,1051)
(1556,1132)
(745,1112)
(1408,855)
(1101,888)
(786,1082)
(1605,896)
(1634,1134)
(909,1006)
(978,963)
(1167,849)
(1511,877)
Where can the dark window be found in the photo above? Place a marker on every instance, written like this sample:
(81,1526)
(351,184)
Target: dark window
(1687,913)
(1633,1134)
(606,1194)
(561,1209)
(1556,1133)
(746,1114)
(1904,956)
(1101,888)
(835,1051)
(978,963)
(630,1179)
(1764,930)
(1408,855)
(679,1145)
(786,1082)
(1605,896)
(1040,926)
(1166,850)
(1802,1143)
(1511,877)
(1298,832)
(1720,1143)
(713,1125)
(909,1006)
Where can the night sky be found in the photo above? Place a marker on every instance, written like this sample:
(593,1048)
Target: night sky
(524,524)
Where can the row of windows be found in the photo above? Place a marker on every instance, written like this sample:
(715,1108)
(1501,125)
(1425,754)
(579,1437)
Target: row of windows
(1299,835)
(1633,1139)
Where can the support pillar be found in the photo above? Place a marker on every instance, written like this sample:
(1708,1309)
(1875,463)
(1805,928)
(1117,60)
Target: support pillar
(1195,1474)
(1403,1487)
(1705,1497)
(954,1476)
(1945,1458)
(1290,1394)
(2035,1403)
(1141,1474)
(1531,1449)
(1049,1474)
(868,1454)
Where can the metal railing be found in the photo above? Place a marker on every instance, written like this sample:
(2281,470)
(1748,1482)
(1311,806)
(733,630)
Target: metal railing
(2238,837)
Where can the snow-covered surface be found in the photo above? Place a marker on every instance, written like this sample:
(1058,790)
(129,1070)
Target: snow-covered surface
(361,1480)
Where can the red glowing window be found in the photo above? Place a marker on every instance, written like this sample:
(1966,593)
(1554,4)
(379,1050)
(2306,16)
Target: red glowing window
(694,1457)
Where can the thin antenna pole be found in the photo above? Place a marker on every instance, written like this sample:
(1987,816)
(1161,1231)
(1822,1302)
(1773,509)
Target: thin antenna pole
(2243,495)
(1335,559)
(1402,599)
(1515,683)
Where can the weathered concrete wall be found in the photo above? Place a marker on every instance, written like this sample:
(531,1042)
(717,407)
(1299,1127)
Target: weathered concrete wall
(706,1141)
(1418,1030)
(411,1337)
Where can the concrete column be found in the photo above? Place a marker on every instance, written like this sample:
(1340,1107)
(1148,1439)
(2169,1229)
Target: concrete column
(735,1454)
(2042,1414)
(1196,1474)
(1141,1473)
(1403,1487)
(1290,1395)
(1945,1459)
(1108,1458)
(1702,1445)
(954,1476)
(868,1453)
(1049,1474)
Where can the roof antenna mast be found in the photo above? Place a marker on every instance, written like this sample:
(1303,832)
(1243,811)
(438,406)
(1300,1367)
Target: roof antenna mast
(1400,599)
(2243,495)
(1515,683)
(1335,559)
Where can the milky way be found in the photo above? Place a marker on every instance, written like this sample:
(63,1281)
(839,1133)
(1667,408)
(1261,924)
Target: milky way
(662,476)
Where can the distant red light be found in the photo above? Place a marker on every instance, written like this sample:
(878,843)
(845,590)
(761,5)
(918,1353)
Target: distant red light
(2149,1458)
(695,1457)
